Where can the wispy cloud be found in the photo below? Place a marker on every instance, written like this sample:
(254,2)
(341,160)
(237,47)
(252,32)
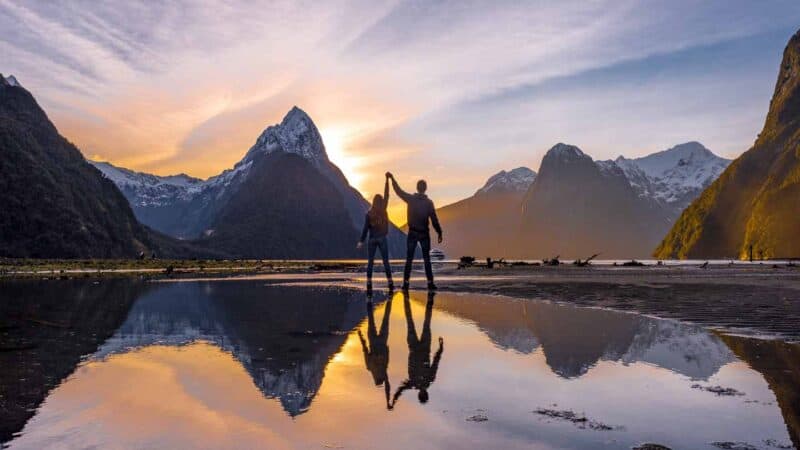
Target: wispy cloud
(425,88)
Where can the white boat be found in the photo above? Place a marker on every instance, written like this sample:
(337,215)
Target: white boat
(437,254)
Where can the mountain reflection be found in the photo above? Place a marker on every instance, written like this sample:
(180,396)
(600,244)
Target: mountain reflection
(196,345)
(574,339)
(283,336)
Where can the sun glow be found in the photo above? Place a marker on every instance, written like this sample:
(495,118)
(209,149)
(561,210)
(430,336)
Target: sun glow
(338,141)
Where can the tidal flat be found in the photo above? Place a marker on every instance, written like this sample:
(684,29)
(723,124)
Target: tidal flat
(503,359)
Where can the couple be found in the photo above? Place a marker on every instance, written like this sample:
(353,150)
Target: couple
(420,213)
(421,368)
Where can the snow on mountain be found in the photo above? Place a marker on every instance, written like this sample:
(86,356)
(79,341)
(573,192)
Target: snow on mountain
(565,152)
(144,189)
(11,80)
(609,168)
(295,134)
(674,176)
(515,180)
(686,349)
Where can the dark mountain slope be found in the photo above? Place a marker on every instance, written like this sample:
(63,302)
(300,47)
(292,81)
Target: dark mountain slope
(484,224)
(258,210)
(576,207)
(285,209)
(53,203)
(755,202)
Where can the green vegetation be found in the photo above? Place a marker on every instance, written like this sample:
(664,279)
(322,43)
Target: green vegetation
(754,204)
(67,268)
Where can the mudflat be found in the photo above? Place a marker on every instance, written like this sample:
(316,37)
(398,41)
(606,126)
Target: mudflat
(757,299)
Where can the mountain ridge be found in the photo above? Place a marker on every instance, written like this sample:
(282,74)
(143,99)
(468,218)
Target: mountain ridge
(751,209)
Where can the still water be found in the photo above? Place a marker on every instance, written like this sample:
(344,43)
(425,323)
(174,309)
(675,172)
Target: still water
(246,364)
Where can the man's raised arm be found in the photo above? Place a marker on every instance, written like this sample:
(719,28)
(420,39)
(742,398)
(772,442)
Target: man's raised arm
(405,196)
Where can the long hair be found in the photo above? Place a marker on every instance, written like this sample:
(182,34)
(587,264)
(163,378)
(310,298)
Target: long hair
(377,213)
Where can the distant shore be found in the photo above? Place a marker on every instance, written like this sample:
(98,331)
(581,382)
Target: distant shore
(755,299)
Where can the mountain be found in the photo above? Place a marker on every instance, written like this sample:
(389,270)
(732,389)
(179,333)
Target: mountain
(160,202)
(575,339)
(54,203)
(489,223)
(284,342)
(576,207)
(482,224)
(754,203)
(674,177)
(284,199)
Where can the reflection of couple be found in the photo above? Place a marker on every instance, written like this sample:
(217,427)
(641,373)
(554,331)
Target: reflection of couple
(421,370)
(420,213)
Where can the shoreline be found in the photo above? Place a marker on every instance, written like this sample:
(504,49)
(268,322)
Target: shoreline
(743,299)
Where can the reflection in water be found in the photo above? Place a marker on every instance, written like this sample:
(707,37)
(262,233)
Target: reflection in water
(575,339)
(779,362)
(421,371)
(240,364)
(46,326)
(284,339)
(376,354)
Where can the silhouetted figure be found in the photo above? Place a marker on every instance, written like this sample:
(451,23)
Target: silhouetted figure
(421,371)
(420,212)
(376,224)
(376,355)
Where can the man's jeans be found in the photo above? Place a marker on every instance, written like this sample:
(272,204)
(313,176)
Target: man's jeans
(424,240)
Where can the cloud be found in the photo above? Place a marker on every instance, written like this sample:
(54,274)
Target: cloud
(468,87)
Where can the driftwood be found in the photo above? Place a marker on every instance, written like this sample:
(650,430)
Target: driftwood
(552,262)
(586,261)
(633,263)
(466,261)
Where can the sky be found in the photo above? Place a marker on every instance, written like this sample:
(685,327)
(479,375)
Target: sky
(450,91)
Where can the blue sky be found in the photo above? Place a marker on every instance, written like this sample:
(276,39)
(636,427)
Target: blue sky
(453,91)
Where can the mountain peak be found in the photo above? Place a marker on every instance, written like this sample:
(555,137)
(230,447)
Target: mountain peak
(10,80)
(295,134)
(561,154)
(515,180)
(565,150)
(692,153)
(784,108)
(294,115)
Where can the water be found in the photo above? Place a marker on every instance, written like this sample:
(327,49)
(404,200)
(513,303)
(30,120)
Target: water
(245,364)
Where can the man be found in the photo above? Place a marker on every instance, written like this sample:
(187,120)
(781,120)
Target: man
(421,369)
(420,212)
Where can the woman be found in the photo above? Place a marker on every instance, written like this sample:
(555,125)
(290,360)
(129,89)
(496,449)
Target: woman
(376,223)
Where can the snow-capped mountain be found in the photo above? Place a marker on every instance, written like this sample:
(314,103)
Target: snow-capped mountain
(515,180)
(495,207)
(284,185)
(295,134)
(145,190)
(10,80)
(675,176)
(577,207)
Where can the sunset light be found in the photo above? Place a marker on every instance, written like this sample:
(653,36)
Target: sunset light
(338,141)
(400,224)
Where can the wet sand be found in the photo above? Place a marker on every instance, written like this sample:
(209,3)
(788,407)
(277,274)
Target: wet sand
(751,299)
(754,300)
(761,300)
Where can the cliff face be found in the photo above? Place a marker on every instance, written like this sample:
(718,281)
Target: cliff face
(54,203)
(755,202)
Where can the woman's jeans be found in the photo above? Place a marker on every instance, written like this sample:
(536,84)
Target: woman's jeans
(372,246)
